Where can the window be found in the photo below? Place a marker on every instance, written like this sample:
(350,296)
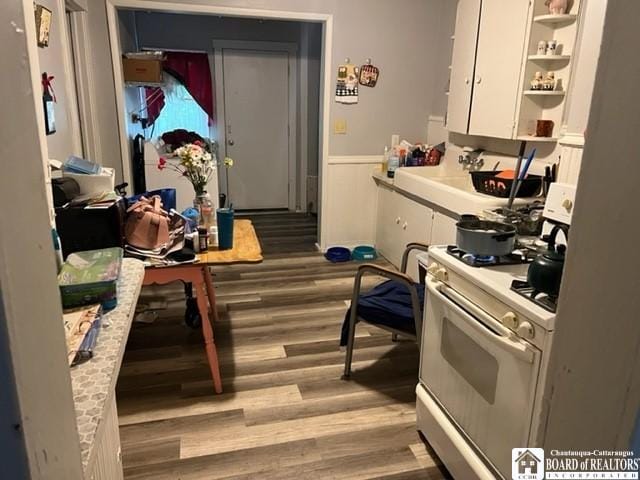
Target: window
(180,111)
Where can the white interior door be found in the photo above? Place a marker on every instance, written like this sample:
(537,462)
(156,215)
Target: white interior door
(462,65)
(256,104)
(498,65)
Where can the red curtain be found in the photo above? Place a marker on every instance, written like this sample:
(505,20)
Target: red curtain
(191,70)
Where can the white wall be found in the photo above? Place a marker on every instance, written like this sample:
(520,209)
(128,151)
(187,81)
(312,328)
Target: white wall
(352,201)
(38,437)
(594,383)
(404,40)
(66,140)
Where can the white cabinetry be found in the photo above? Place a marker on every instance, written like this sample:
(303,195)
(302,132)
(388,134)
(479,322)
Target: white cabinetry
(494,60)
(462,65)
(400,221)
(486,70)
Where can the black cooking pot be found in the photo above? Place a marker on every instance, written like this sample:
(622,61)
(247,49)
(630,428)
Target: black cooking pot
(483,237)
(545,273)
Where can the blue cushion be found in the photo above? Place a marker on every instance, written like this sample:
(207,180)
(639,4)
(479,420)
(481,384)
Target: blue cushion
(387,304)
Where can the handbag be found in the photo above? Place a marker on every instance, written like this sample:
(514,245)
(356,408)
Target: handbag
(147,224)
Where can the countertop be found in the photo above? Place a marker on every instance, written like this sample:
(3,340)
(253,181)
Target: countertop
(94,381)
(381,176)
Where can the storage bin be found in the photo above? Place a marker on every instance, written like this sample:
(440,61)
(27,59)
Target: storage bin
(90,277)
(90,184)
(139,70)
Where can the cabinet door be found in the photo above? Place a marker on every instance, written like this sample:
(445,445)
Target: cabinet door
(443,231)
(499,58)
(388,226)
(462,65)
(415,226)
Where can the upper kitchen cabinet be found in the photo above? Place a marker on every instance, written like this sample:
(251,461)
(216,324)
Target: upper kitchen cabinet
(496,55)
(561,32)
(501,40)
(486,66)
(462,65)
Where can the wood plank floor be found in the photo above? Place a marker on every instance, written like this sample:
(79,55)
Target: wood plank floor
(285,413)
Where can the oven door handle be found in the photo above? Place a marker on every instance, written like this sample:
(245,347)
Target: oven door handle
(480,322)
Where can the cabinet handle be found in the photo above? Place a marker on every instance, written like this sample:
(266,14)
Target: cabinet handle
(478,79)
(467,80)
(404,226)
(398,221)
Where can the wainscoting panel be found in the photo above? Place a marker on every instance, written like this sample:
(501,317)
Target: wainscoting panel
(350,207)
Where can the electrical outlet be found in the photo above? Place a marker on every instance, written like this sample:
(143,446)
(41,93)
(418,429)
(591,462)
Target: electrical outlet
(340,126)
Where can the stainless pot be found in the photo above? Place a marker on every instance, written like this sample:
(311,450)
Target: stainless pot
(484,237)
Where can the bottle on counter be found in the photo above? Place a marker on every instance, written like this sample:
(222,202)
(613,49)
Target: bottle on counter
(385,158)
(393,163)
(207,211)
(203,238)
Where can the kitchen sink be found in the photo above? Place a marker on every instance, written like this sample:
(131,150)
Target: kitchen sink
(454,193)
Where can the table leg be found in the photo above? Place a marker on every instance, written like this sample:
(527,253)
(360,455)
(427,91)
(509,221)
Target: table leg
(207,333)
(211,293)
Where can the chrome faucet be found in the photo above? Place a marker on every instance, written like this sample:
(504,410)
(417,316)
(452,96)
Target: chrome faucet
(471,159)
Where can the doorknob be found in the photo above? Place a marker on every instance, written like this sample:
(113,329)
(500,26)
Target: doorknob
(231,142)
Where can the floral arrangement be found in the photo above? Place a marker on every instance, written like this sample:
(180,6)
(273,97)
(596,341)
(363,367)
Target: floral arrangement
(197,164)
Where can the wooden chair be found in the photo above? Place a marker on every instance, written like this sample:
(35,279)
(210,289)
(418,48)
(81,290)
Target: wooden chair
(392,323)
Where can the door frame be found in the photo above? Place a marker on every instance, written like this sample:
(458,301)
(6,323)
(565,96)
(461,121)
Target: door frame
(265,46)
(83,78)
(326,70)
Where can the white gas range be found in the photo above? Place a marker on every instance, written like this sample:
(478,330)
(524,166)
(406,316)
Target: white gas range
(483,356)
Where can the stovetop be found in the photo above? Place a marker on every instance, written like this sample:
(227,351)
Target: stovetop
(548,302)
(517,257)
(495,280)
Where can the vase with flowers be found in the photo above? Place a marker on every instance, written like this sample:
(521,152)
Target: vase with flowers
(197,164)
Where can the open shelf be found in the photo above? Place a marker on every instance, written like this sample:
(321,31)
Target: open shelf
(550,58)
(533,138)
(551,18)
(545,93)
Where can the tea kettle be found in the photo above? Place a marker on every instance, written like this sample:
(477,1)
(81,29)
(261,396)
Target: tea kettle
(545,273)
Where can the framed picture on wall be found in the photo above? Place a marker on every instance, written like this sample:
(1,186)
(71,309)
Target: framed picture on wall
(43,24)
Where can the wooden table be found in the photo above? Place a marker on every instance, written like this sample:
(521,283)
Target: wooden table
(246,249)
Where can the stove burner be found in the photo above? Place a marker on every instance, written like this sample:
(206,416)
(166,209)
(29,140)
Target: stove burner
(481,259)
(488,260)
(548,302)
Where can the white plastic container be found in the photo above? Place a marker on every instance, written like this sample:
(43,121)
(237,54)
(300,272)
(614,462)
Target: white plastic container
(103,182)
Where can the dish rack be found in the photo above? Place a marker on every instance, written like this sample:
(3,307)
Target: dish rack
(490,184)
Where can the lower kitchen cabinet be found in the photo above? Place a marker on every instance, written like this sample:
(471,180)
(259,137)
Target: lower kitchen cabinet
(401,220)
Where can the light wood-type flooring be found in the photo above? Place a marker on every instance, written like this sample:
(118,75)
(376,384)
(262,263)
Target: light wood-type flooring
(285,413)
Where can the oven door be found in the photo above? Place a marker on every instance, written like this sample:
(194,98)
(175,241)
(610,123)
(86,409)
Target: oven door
(480,373)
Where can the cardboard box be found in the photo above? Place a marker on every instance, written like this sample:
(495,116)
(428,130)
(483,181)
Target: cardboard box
(141,70)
